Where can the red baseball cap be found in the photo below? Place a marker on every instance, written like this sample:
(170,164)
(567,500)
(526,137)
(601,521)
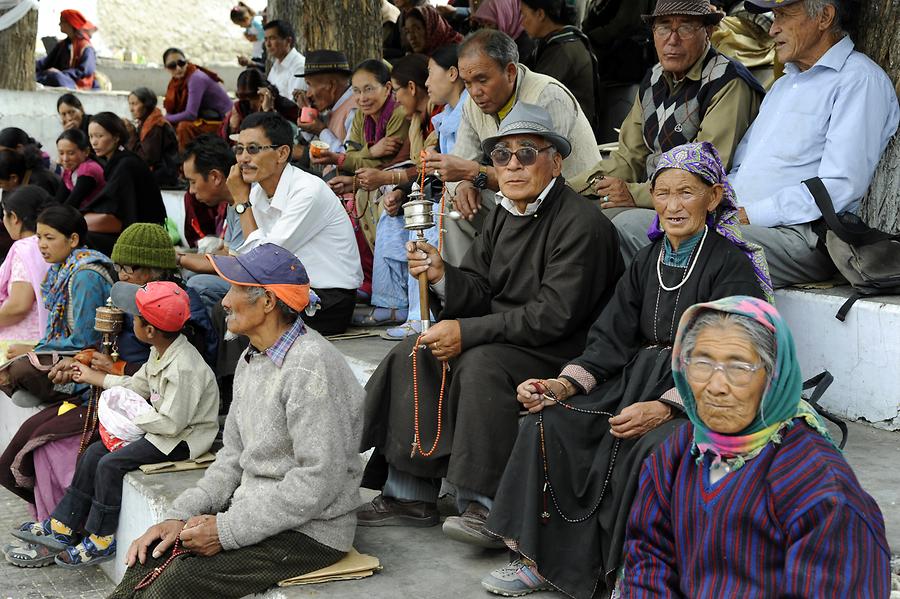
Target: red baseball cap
(163,304)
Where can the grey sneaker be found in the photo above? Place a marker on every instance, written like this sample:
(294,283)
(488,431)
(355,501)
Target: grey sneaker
(30,555)
(515,579)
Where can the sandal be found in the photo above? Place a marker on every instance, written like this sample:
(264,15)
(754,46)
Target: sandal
(84,554)
(40,533)
(395,316)
(410,328)
(30,555)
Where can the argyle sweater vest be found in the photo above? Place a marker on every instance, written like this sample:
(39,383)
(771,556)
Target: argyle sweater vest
(672,118)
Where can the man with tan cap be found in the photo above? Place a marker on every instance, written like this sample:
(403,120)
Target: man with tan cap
(693,93)
(544,265)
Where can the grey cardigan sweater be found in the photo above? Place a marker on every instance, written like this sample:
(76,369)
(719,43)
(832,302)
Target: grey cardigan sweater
(289,460)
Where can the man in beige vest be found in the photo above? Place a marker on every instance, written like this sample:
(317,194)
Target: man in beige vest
(488,63)
(327,76)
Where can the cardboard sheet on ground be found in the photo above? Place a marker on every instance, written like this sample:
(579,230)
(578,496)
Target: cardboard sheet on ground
(354,566)
(198,463)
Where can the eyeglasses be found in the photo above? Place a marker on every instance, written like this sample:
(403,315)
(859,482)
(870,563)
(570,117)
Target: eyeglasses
(252,149)
(176,63)
(128,270)
(367,90)
(526,156)
(685,32)
(739,374)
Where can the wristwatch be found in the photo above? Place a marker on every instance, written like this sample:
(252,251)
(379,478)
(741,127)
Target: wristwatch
(481,180)
(242,207)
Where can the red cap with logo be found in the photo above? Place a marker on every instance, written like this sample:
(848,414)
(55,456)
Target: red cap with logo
(163,304)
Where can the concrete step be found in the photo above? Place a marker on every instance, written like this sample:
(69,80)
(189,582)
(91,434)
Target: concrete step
(863,352)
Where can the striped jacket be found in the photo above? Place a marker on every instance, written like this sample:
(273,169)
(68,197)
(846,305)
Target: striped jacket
(793,522)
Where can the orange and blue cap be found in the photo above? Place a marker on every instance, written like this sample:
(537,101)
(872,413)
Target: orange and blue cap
(270,266)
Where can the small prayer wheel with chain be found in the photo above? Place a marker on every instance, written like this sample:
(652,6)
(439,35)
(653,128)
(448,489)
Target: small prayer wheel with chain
(108,321)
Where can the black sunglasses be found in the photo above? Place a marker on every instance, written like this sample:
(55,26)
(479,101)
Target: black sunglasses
(526,156)
(176,63)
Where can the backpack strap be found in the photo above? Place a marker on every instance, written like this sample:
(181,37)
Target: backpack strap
(819,384)
(845,307)
(861,235)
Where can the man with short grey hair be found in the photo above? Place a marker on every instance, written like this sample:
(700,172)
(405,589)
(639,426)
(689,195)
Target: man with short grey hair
(830,116)
(489,65)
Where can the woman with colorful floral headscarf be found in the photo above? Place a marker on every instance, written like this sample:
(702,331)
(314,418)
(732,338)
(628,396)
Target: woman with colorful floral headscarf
(751,499)
(572,477)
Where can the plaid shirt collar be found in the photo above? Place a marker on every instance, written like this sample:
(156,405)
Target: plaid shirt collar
(280,348)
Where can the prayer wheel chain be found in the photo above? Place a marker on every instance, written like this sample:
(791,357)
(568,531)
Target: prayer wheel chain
(417,441)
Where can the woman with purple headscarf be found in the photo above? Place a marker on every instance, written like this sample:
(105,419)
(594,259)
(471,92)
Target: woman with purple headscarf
(564,499)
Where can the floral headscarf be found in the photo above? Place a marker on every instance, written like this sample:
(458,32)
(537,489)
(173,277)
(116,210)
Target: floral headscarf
(781,402)
(438,31)
(702,159)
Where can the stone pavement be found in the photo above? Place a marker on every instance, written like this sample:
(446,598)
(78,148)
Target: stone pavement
(47,583)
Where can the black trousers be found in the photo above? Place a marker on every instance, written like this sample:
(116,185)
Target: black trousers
(94,498)
(336,312)
(235,573)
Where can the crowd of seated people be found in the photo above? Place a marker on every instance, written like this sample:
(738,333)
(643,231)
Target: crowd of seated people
(567,389)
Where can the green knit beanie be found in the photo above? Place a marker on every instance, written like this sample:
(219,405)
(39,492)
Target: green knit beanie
(145,244)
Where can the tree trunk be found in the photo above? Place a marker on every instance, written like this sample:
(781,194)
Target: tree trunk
(17,52)
(877,33)
(352,26)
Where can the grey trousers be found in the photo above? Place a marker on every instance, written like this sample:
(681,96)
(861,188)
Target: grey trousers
(790,250)
(459,234)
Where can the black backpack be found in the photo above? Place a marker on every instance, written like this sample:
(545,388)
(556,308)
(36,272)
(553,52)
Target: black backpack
(868,258)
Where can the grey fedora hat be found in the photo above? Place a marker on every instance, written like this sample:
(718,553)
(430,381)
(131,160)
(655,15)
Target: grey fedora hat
(528,119)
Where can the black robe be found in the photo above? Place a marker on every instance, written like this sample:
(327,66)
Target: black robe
(524,296)
(629,353)
(131,194)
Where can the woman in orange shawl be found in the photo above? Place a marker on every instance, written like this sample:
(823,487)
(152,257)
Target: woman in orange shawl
(195,101)
(153,138)
(72,61)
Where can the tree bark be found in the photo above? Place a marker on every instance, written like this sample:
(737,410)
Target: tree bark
(17,52)
(352,26)
(877,33)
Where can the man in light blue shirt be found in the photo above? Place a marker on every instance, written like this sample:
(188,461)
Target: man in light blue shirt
(831,115)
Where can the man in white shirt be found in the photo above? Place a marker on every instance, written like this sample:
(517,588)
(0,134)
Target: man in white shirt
(830,116)
(281,204)
(286,62)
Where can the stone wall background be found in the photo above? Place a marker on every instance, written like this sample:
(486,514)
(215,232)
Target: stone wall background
(143,29)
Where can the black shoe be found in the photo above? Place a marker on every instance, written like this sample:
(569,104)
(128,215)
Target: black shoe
(387,511)
(469,528)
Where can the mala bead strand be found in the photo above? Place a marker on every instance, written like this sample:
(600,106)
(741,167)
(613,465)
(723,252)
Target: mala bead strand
(177,551)
(545,462)
(417,441)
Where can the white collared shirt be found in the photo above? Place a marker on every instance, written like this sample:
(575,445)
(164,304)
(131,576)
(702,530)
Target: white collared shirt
(282,74)
(831,121)
(306,218)
(530,208)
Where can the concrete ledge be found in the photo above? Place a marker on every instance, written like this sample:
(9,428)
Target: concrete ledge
(863,352)
(35,111)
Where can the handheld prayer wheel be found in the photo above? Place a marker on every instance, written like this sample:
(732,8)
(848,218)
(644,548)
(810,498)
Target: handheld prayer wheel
(108,321)
(418,216)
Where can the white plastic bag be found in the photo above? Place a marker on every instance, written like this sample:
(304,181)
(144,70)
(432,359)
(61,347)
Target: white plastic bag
(117,410)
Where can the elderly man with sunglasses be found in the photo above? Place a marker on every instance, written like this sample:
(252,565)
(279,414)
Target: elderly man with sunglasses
(543,267)
(693,93)
(281,204)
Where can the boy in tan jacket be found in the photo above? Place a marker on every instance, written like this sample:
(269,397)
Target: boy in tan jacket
(182,423)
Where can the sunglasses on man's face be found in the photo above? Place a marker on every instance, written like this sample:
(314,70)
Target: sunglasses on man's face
(526,156)
(175,64)
(252,149)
